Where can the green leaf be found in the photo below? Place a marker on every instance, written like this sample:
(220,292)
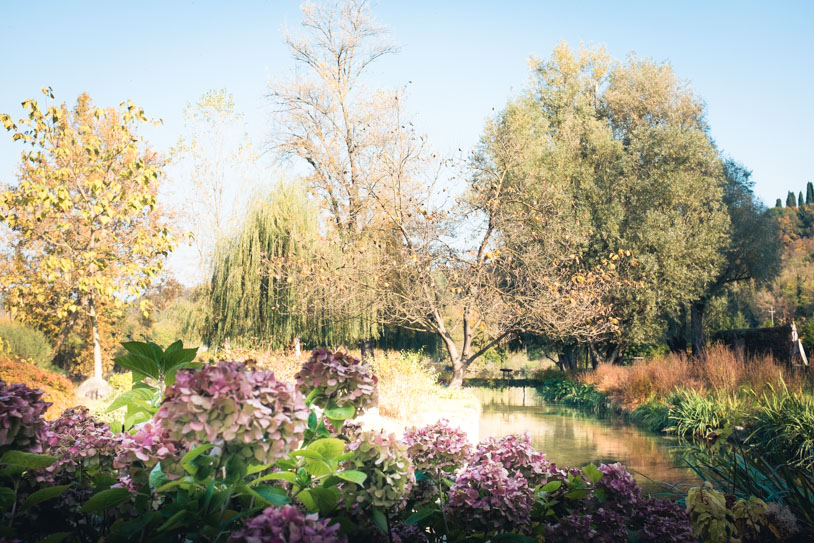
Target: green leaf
(308,500)
(577,494)
(311,395)
(236,469)
(552,486)
(592,473)
(27,460)
(44,494)
(7,496)
(286,476)
(379,520)
(257,468)
(157,477)
(329,448)
(196,452)
(172,520)
(106,499)
(271,494)
(353,476)
(135,397)
(138,365)
(340,413)
(420,515)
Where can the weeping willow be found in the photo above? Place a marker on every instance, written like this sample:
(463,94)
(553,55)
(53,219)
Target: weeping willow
(253,306)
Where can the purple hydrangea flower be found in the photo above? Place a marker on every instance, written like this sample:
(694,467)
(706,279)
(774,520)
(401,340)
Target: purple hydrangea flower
(341,379)
(251,412)
(81,443)
(390,475)
(664,522)
(21,424)
(150,445)
(438,449)
(486,497)
(516,454)
(619,485)
(287,524)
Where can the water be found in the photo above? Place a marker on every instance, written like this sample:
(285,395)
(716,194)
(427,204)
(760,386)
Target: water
(570,437)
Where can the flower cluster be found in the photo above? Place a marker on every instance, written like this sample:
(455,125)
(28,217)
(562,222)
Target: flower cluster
(390,475)
(287,525)
(253,414)
(150,445)
(21,424)
(81,443)
(437,449)
(516,453)
(341,380)
(619,486)
(487,497)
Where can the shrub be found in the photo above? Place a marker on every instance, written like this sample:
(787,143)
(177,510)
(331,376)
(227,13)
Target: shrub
(783,426)
(437,449)
(287,524)
(253,413)
(390,476)
(57,389)
(405,384)
(515,453)
(21,424)
(692,414)
(336,380)
(487,497)
(25,343)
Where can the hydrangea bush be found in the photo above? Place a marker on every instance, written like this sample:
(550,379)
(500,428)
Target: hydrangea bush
(337,380)
(390,476)
(288,524)
(21,424)
(250,412)
(233,455)
(490,499)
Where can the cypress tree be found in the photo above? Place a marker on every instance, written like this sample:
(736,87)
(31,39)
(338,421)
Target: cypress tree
(778,203)
(791,200)
(800,199)
(809,193)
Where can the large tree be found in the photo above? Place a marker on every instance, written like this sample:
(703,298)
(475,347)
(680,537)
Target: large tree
(753,249)
(626,146)
(87,236)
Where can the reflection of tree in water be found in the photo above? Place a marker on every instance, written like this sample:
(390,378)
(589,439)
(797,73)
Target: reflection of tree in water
(570,437)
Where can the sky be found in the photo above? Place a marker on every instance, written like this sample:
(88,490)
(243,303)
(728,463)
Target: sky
(752,63)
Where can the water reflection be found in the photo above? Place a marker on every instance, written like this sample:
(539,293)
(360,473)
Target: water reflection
(570,437)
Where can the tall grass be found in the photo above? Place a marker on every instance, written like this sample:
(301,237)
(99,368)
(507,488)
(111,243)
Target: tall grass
(783,426)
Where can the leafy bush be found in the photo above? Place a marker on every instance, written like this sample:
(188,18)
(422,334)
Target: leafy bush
(692,414)
(25,344)
(57,389)
(405,384)
(338,382)
(783,427)
(234,451)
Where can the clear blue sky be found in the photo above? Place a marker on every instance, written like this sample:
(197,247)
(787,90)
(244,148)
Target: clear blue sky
(751,61)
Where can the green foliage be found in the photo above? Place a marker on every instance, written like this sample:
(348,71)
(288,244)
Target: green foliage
(148,361)
(575,394)
(250,303)
(25,343)
(694,414)
(783,427)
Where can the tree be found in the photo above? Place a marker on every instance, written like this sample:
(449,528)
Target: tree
(626,146)
(216,158)
(800,199)
(87,234)
(753,250)
(778,203)
(809,193)
(791,200)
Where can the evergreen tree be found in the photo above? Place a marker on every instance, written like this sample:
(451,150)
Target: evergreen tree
(778,203)
(800,199)
(810,193)
(791,200)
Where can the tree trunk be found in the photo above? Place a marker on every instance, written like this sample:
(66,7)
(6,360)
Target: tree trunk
(97,347)
(367,349)
(697,327)
(609,356)
(567,359)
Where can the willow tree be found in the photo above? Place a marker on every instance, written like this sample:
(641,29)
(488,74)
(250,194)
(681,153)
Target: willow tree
(250,302)
(626,143)
(87,236)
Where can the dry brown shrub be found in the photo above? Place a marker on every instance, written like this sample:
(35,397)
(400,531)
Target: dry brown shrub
(284,365)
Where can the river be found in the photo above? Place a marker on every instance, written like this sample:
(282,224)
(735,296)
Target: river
(571,437)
